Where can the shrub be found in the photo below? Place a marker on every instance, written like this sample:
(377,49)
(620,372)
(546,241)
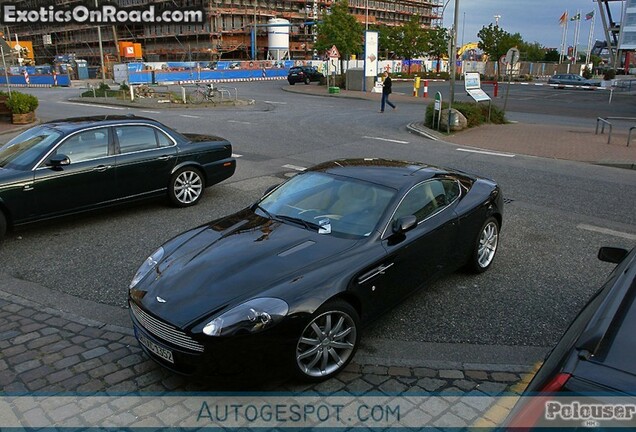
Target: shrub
(609,74)
(476,114)
(22,103)
(587,73)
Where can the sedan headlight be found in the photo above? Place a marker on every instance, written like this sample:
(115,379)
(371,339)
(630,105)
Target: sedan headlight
(249,317)
(146,267)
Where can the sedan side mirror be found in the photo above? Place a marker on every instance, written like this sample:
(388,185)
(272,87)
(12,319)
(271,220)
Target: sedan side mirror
(59,160)
(404,224)
(612,254)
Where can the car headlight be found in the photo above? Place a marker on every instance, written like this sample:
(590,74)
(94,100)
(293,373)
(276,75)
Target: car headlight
(146,267)
(249,317)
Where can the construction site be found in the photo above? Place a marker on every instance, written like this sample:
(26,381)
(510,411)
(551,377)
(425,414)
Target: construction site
(229,30)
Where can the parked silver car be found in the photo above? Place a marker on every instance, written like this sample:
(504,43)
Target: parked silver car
(561,80)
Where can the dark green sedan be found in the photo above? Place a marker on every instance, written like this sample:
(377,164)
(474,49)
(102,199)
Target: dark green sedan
(79,164)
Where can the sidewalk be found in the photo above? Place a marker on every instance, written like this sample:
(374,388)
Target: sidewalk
(533,139)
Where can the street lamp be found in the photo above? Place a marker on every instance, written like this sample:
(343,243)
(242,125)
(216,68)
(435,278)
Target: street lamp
(101,48)
(497,20)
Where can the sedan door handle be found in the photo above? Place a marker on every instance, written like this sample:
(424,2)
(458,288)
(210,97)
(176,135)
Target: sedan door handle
(102,168)
(164,158)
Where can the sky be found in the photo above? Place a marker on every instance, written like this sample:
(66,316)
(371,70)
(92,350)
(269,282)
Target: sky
(535,20)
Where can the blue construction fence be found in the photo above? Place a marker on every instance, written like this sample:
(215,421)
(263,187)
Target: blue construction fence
(39,76)
(186,72)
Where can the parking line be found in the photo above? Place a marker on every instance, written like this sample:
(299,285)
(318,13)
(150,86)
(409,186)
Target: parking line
(294,167)
(189,116)
(92,105)
(238,121)
(386,139)
(486,152)
(151,112)
(607,231)
(274,102)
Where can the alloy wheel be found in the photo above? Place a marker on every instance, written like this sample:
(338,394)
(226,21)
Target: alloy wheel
(487,244)
(326,344)
(188,187)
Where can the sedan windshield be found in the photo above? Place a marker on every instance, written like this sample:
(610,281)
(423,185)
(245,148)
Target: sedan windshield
(329,204)
(23,151)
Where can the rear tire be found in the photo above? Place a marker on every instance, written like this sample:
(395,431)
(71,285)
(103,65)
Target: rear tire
(3,225)
(307,81)
(486,246)
(197,97)
(292,83)
(186,187)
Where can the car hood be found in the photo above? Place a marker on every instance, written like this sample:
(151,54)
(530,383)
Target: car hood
(231,260)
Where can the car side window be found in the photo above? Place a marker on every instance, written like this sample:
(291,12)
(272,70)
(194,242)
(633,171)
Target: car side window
(452,189)
(136,138)
(87,145)
(423,200)
(163,139)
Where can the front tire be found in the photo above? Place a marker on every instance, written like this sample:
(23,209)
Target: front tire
(186,187)
(328,343)
(307,81)
(486,246)
(197,97)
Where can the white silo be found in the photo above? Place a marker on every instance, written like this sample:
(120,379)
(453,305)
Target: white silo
(278,39)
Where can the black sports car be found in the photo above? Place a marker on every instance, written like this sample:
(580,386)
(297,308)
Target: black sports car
(304,74)
(72,165)
(296,275)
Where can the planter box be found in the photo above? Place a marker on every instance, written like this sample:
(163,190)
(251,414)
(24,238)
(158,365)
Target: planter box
(23,118)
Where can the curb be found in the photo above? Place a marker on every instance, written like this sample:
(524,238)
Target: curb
(20,128)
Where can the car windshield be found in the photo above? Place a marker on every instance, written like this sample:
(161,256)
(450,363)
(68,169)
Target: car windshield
(23,151)
(330,204)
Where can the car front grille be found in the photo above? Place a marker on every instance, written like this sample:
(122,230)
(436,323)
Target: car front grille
(165,331)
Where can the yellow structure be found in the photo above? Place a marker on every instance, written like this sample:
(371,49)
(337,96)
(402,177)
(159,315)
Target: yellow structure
(26,51)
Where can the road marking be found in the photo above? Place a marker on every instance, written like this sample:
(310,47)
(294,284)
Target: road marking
(234,155)
(294,167)
(238,121)
(188,116)
(607,231)
(486,152)
(92,105)
(386,139)
(151,112)
(273,102)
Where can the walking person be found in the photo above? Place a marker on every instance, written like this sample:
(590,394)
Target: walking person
(386,91)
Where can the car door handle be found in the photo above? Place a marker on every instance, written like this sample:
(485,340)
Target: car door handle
(102,168)
(164,158)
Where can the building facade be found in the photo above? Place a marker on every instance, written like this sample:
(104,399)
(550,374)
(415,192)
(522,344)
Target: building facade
(226,32)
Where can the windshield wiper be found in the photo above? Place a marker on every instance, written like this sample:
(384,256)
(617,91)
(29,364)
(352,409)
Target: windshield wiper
(264,210)
(306,224)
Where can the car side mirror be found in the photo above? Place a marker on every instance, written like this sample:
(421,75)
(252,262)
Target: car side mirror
(59,161)
(404,224)
(612,254)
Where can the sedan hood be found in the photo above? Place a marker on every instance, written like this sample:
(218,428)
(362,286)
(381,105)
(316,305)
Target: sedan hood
(231,260)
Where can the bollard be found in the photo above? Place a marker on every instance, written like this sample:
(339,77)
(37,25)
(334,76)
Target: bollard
(496,88)
(416,86)
(425,94)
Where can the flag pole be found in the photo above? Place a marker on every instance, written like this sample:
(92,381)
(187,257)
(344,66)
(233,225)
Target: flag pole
(589,41)
(577,29)
(563,37)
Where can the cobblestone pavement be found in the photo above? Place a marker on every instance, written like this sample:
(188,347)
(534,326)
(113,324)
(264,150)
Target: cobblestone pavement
(48,353)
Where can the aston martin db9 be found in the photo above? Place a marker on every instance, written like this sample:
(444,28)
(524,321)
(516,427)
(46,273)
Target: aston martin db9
(78,164)
(295,276)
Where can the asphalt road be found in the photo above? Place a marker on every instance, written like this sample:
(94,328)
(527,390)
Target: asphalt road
(545,270)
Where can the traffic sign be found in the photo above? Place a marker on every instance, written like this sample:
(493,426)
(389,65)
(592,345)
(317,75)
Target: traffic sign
(333,52)
(512,56)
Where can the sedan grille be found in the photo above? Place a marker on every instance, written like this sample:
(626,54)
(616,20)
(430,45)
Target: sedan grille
(165,331)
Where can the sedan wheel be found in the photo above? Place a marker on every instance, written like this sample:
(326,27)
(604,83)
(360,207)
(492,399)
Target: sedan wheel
(307,80)
(186,187)
(486,246)
(329,341)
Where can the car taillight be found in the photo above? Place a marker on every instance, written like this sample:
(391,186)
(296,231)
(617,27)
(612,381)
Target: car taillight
(533,409)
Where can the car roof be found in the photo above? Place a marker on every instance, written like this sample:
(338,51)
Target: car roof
(393,173)
(76,123)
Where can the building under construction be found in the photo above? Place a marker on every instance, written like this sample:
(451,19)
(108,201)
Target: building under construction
(226,32)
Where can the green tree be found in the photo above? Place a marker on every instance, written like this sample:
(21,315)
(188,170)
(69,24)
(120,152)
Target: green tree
(438,39)
(532,52)
(551,56)
(408,40)
(495,42)
(341,29)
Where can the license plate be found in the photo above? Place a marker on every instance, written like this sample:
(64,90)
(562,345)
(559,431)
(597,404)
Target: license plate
(162,352)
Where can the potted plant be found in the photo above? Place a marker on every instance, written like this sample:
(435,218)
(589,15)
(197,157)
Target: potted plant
(22,107)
